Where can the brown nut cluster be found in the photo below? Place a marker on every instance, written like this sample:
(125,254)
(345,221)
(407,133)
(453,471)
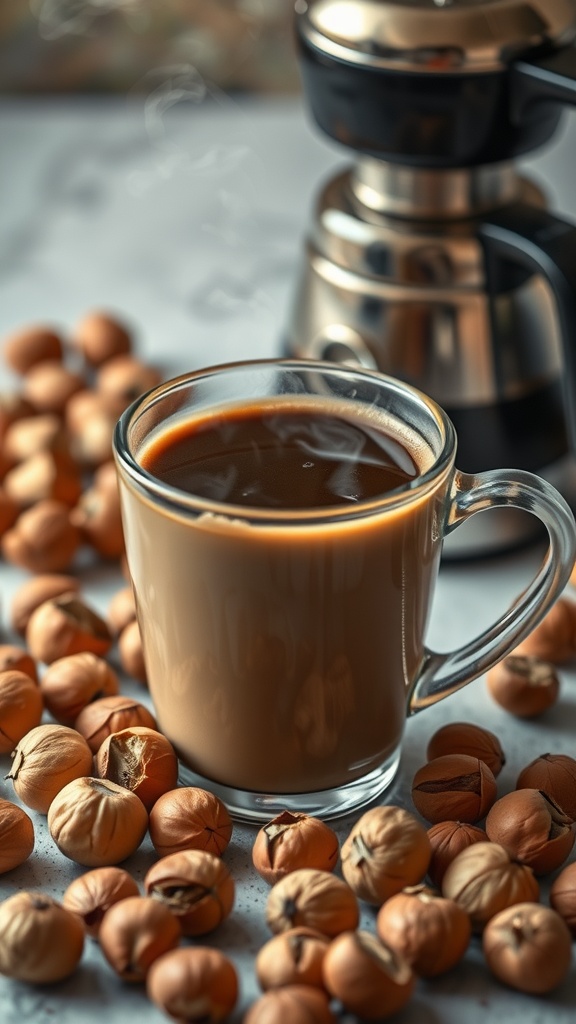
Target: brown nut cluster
(532,828)
(290,841)
(196,886)
(386,850)
(456,786)
(524,685)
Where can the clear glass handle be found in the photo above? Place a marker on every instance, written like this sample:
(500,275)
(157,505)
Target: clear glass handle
(442,674)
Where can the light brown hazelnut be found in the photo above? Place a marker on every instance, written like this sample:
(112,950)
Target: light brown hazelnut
(9,512)
(429,931)
(92,443)
(532,828)
(290,841)
(27,346)
(121,610)
(45,760)
(83,406)
(294,957)
(311,898)
(467,738)
(21,707)
(370,979)
(46,475)
(134,933)
(298,1004)
(33,592)
(555,774)
(124,378)
(193,983)
(563,896)
(484,879)
(97,517)
(528,947)
(42,942)
(66,625)
(140,759)
(190,818)
(106,715)
(386,850)
(196,886)
(96,823)
(91,894)
(131,653)
(524,685)
(16,836)
(70,683)
(49,385)
(42,539)
(554,638)
(17,659)
(447,839)
(32,434)
(454,786)
(100,336)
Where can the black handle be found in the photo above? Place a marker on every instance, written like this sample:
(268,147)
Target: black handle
(548,79)
(544,244)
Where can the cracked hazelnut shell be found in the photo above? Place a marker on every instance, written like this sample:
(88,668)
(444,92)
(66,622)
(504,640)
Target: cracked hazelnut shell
(456,786)
(467,738)
(533,828)
(385,850)
(555,774)
(91,894)
(140,759)
(292,840)
(196,886)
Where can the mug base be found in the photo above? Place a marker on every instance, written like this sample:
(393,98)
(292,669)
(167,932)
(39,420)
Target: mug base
(254,807)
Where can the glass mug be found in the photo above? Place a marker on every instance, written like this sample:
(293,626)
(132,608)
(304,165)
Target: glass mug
(284,522)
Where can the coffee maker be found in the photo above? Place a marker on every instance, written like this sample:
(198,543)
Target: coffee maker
(431,257)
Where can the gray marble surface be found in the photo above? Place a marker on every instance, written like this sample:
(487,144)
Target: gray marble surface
(187,219)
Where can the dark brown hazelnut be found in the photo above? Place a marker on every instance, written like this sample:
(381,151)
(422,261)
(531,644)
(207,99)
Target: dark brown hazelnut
(454,786)
(555,774)
(532,828)
(447,839)
(467,738)
(196,886)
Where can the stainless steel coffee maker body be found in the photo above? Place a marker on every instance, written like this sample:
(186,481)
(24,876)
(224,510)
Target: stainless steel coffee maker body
(430,257)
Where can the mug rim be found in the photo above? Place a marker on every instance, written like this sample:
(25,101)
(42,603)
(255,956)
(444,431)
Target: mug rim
(185,502)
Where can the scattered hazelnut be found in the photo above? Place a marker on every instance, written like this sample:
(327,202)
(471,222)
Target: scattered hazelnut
(42,942)
(122,379)
(554,638)
(17,659)
(100,336)
(140,759)
(106,715)
(484,879)
(294,957)
(193,983)
(36,591)
(299,1004)
(532,828)
(42,539)
(431,932)
(189,818)
(370,979)
(454,786)
(555,774)
(49,385)
(28,346)
(91,894)
(386,850)
(66,625)
(311,898)
(470,739)
(563,896)
(196,886)
(16,836)
(524,685)
(292,841)
(130,652)
(134,933)
(32,434)
(447,839)
(70,683)
(528,947)
(44,761)
(97,517)
(96,823)
(83,406)
(21,707)
(46,475)
(121,610)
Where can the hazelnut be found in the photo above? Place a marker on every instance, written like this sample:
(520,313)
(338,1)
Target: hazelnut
(121,610)
(28,346)
(193,984)
(523,685)
(90,895)
(17,659)
(292,841)
(196,886)
(106,715)
(294,957)
(528,947)
(32,434)
(46,475)
(299,1004)
(49,385)
(134,933)
(532,828)
(9,512)
(189,818)
(554,638)
(431,932)
(370,979)
(13,407)
(34,592)
(83,406)
(66,625)
(42,539)
(454,786)
(386,850)
(100,336)
(563,896)
(97,517)
(16,836)
(122,379)
(447,839)
(44,761)
(96,823)
(42,942)
(131,653)
(555,774)
(72,682)
(140,759)
(311,898)
(470,739)
(21,707)
(484,879)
